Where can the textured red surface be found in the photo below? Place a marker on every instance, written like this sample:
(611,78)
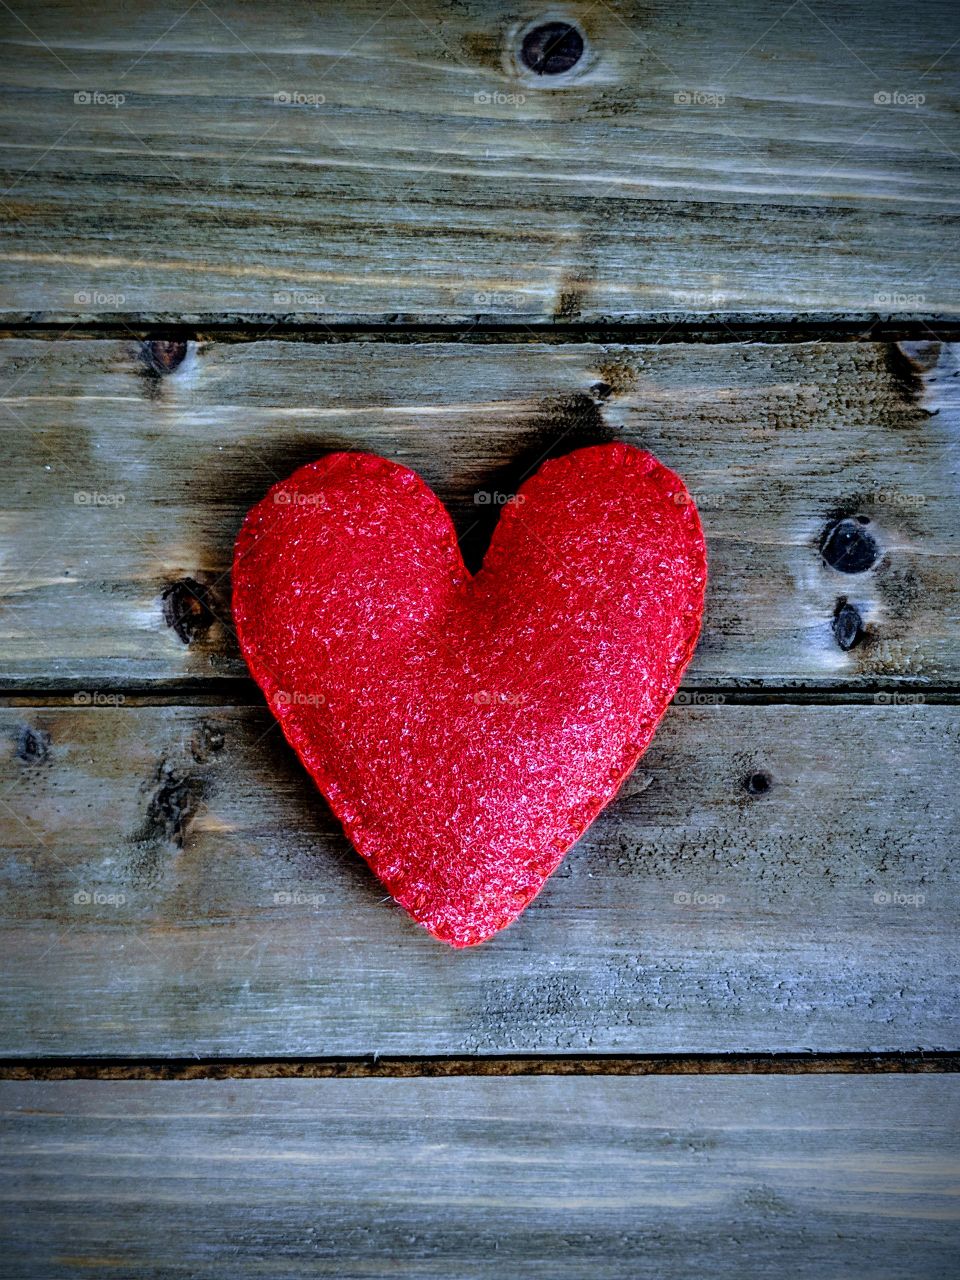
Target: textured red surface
(466,730)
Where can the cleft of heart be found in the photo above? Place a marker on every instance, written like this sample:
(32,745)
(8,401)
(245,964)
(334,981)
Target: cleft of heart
(467,729)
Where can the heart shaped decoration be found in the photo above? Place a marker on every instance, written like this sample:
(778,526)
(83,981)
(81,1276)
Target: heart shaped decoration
(466,730)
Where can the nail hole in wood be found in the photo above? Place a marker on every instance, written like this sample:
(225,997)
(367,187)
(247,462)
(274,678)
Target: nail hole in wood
(849,546)
(757,784)
(601,390)
(552,48)
(847,625)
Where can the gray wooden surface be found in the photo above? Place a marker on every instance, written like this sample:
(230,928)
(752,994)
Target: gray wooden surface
(121,482)
(701,158)
(174,885)
(659,1178)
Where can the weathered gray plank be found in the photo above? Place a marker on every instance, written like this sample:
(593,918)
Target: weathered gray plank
(436,178)
(770,879)
(120,481)
(664,1178)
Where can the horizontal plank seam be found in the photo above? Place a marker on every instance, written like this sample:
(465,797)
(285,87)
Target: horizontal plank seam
(375,1067)
(772,329)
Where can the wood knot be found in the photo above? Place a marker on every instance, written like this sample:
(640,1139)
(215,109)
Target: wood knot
(847,625)
(552,48)
(849,545)
(172,805)
(601,390)
(188,609)
(33,745)
(757,784)
(162,357)
(208,741)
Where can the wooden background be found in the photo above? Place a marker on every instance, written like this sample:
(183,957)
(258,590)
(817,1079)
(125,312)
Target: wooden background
(236,237)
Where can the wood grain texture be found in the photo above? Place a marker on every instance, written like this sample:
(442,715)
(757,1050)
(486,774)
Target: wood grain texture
(656,1178)
(701,158)
(770,879)
(127,473)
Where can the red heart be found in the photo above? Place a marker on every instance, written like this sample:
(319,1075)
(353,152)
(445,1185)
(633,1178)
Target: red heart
(467,730)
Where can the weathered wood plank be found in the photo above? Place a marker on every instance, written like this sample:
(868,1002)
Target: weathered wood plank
(770,879)
(661,1178)
(357,161)
(121,480)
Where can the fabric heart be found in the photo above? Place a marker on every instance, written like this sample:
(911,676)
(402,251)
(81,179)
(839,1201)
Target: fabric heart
(466,730)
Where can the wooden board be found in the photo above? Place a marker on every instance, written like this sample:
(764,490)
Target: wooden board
(122,480)
(659,1178)
(770,879)
(398,163)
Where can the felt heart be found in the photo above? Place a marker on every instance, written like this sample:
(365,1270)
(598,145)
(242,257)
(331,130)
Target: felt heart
(466,730)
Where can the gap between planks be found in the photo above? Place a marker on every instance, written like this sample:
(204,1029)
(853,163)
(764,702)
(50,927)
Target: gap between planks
(375,1067)
(775,328)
